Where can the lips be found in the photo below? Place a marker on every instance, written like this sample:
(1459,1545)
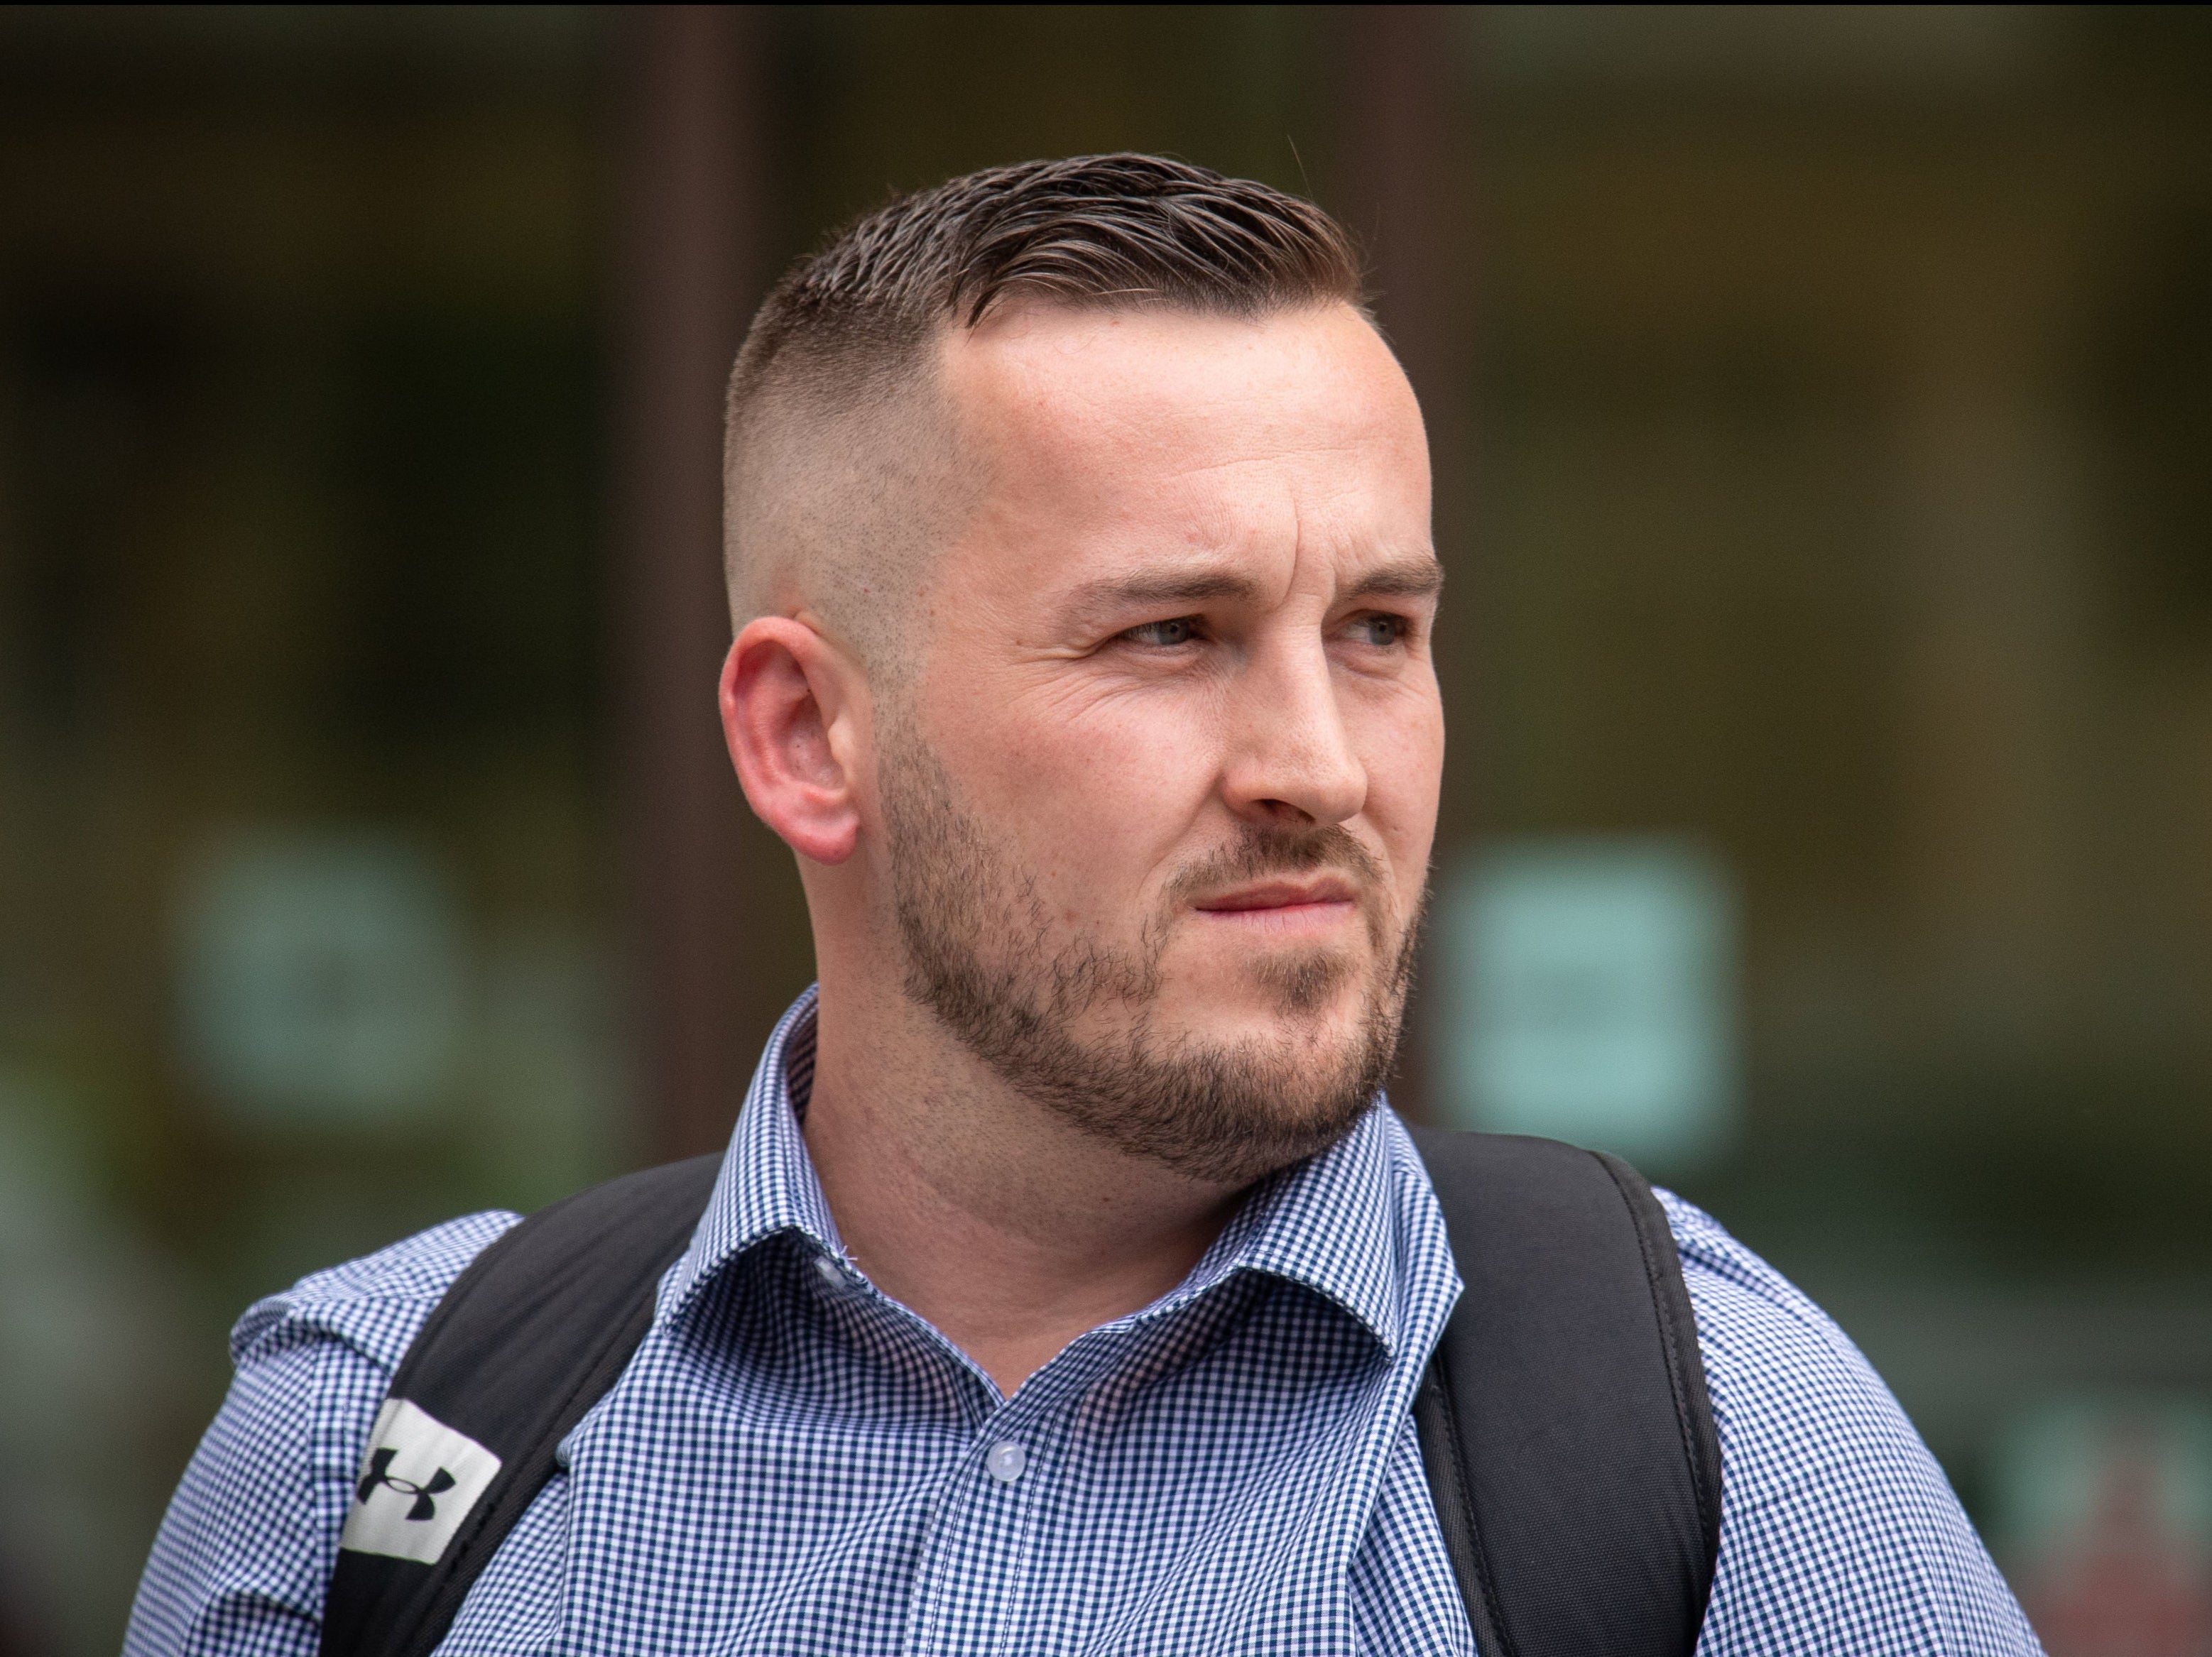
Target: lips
(1311,892)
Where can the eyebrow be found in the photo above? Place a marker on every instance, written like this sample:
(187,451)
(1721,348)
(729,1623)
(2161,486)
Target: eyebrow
(1167,587)
(1408,578)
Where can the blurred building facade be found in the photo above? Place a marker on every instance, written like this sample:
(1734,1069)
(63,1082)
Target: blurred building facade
(1821,398)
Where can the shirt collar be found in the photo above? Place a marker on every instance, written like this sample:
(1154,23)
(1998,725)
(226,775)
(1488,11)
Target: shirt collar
(768,1183)
(1358,1224)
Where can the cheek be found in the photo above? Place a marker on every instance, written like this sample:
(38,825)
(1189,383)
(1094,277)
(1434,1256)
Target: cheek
(1098,796)
(1402,740)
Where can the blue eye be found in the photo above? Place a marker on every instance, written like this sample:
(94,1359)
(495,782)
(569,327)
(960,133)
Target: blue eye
(1380,631)
(1165,634)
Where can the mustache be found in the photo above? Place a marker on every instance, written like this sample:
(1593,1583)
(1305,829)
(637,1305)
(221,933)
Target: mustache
(1258,853)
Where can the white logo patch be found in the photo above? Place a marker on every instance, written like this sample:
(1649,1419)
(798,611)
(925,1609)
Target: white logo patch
(417,1482)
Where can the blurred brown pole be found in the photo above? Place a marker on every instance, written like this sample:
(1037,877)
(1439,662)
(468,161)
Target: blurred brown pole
(687,223)
(1396,89)
(1403,194)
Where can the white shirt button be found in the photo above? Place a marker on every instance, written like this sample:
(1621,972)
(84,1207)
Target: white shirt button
(832,1273)
(1007,1462)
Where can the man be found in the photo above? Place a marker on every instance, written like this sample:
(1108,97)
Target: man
(1067,1282)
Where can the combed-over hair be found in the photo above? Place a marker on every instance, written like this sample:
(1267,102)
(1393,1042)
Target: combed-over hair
(1095,230)
(850,326)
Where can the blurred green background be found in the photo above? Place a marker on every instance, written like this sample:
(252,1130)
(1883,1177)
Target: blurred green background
(1822,402)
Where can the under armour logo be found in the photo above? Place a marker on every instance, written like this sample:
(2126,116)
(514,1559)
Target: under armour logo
(417,1480)
(379,1472)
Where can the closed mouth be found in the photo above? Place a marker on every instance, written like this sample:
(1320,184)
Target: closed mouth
(1283,897)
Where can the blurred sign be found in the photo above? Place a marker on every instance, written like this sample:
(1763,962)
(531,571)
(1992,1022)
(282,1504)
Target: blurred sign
(1588,994)
(321,979)
(2107,1506)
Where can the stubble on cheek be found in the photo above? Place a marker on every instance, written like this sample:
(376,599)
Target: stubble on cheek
(1072,1020)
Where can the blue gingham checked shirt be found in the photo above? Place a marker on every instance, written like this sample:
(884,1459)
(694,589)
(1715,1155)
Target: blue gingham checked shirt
(794,1463)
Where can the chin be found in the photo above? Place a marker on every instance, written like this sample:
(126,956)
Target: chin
(1303,997)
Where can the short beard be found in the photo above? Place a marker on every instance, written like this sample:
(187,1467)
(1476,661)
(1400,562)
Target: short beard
(982,957)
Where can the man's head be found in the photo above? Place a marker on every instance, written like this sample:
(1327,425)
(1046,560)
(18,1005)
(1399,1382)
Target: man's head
(1078,541)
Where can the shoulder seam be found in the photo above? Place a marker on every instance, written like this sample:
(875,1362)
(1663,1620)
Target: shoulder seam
(321,1310)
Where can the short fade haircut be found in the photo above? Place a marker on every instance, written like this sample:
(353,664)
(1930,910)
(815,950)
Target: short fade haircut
(852,326)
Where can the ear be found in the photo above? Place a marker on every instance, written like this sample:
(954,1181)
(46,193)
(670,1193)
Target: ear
(787,715)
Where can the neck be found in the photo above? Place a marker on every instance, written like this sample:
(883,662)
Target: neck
(1010,1229)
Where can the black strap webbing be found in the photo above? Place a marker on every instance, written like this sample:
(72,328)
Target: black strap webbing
(1563,1422)
(527,1340)
(1564,1427)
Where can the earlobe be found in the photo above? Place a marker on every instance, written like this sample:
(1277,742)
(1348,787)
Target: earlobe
(782,696)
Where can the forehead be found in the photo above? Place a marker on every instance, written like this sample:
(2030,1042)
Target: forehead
(1151,433)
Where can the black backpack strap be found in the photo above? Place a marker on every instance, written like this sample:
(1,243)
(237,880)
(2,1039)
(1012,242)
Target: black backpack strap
(527,1340)
(1564,1422)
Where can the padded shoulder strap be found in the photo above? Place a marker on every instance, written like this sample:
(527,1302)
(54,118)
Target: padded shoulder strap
(539,1325)
(1564,1423)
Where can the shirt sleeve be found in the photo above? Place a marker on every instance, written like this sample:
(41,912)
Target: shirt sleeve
(1839,1531)
(245,1554)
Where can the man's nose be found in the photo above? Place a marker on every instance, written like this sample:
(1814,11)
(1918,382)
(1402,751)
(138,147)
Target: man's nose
(1290,760)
